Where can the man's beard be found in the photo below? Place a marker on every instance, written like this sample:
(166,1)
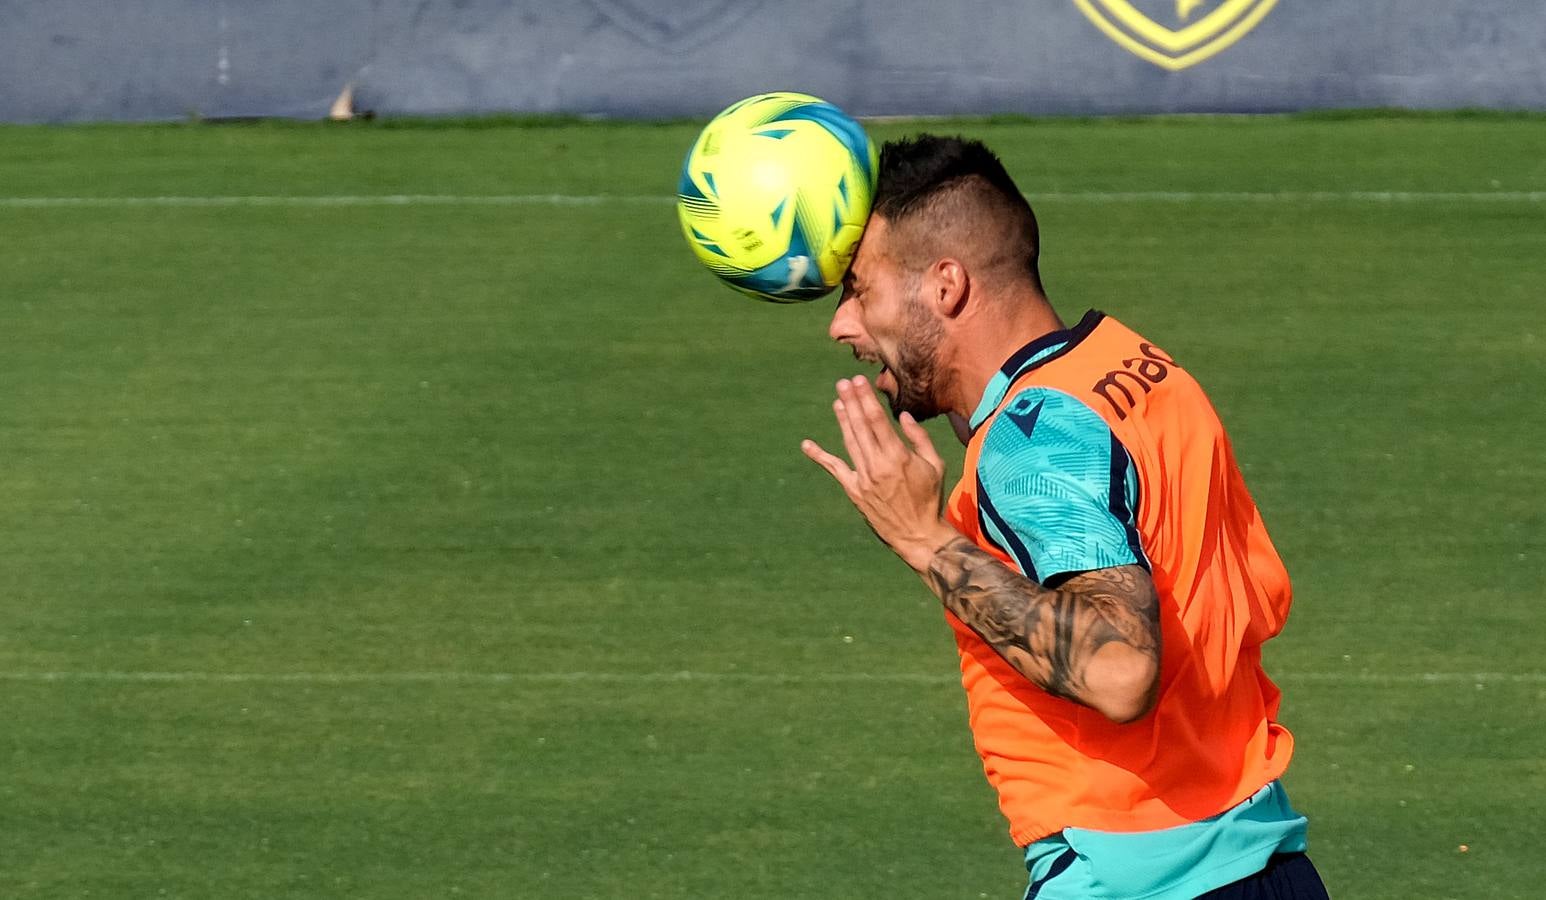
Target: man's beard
(915,368)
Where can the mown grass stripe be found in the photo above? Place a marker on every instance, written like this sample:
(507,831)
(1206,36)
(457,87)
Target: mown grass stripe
(1375,197)
(1403,678)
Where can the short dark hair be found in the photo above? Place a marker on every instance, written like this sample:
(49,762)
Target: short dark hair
(939,181)
(912,170)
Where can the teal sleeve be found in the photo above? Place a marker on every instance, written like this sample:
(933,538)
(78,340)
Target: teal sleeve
(1057,491)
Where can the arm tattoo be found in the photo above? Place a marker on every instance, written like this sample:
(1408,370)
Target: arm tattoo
(1048,635)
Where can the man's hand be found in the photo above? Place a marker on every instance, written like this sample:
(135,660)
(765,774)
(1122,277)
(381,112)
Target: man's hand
(1096,640)
(895,486)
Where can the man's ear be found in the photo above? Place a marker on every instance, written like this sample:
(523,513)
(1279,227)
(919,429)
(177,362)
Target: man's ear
(951,287)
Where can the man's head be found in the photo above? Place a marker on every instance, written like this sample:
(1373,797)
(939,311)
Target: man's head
(949,236)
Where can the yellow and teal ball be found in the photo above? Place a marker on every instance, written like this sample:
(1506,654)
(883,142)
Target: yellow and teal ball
(775,193)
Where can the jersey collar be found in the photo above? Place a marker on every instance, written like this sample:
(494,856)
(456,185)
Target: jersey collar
(1038,352)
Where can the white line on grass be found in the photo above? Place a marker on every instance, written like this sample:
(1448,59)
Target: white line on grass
(1367,678)
(1378,197)
(344,200)
(486,677)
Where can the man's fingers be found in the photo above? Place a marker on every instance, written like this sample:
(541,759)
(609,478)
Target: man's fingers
(856,433)
(834,465)
(873,419)
(922,444)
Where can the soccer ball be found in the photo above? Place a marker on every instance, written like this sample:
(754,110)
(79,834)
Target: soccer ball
(775,193)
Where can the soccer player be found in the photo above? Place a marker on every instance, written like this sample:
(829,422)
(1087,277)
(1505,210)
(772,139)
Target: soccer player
(1105,572)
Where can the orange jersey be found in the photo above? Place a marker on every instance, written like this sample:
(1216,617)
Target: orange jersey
(1213,738)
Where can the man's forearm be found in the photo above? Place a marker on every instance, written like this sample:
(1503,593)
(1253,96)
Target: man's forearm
(1095,640)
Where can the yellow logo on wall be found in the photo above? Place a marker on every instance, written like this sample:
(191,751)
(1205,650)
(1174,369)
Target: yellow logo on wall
(1195,37)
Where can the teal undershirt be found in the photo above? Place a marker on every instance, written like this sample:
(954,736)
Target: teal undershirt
(999,384)
(1172,863)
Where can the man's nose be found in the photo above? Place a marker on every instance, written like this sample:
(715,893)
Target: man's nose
(844,327)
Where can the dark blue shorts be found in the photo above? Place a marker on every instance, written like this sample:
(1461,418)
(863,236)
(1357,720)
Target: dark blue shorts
(1288,876)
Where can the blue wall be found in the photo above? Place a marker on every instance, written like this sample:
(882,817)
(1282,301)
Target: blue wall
(75,60)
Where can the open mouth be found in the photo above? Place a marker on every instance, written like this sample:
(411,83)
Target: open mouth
(886,381)
(883,379)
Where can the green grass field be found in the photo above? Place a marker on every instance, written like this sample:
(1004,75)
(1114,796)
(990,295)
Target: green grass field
(454,548)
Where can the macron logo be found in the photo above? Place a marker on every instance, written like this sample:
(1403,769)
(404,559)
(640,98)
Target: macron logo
(1025,420)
